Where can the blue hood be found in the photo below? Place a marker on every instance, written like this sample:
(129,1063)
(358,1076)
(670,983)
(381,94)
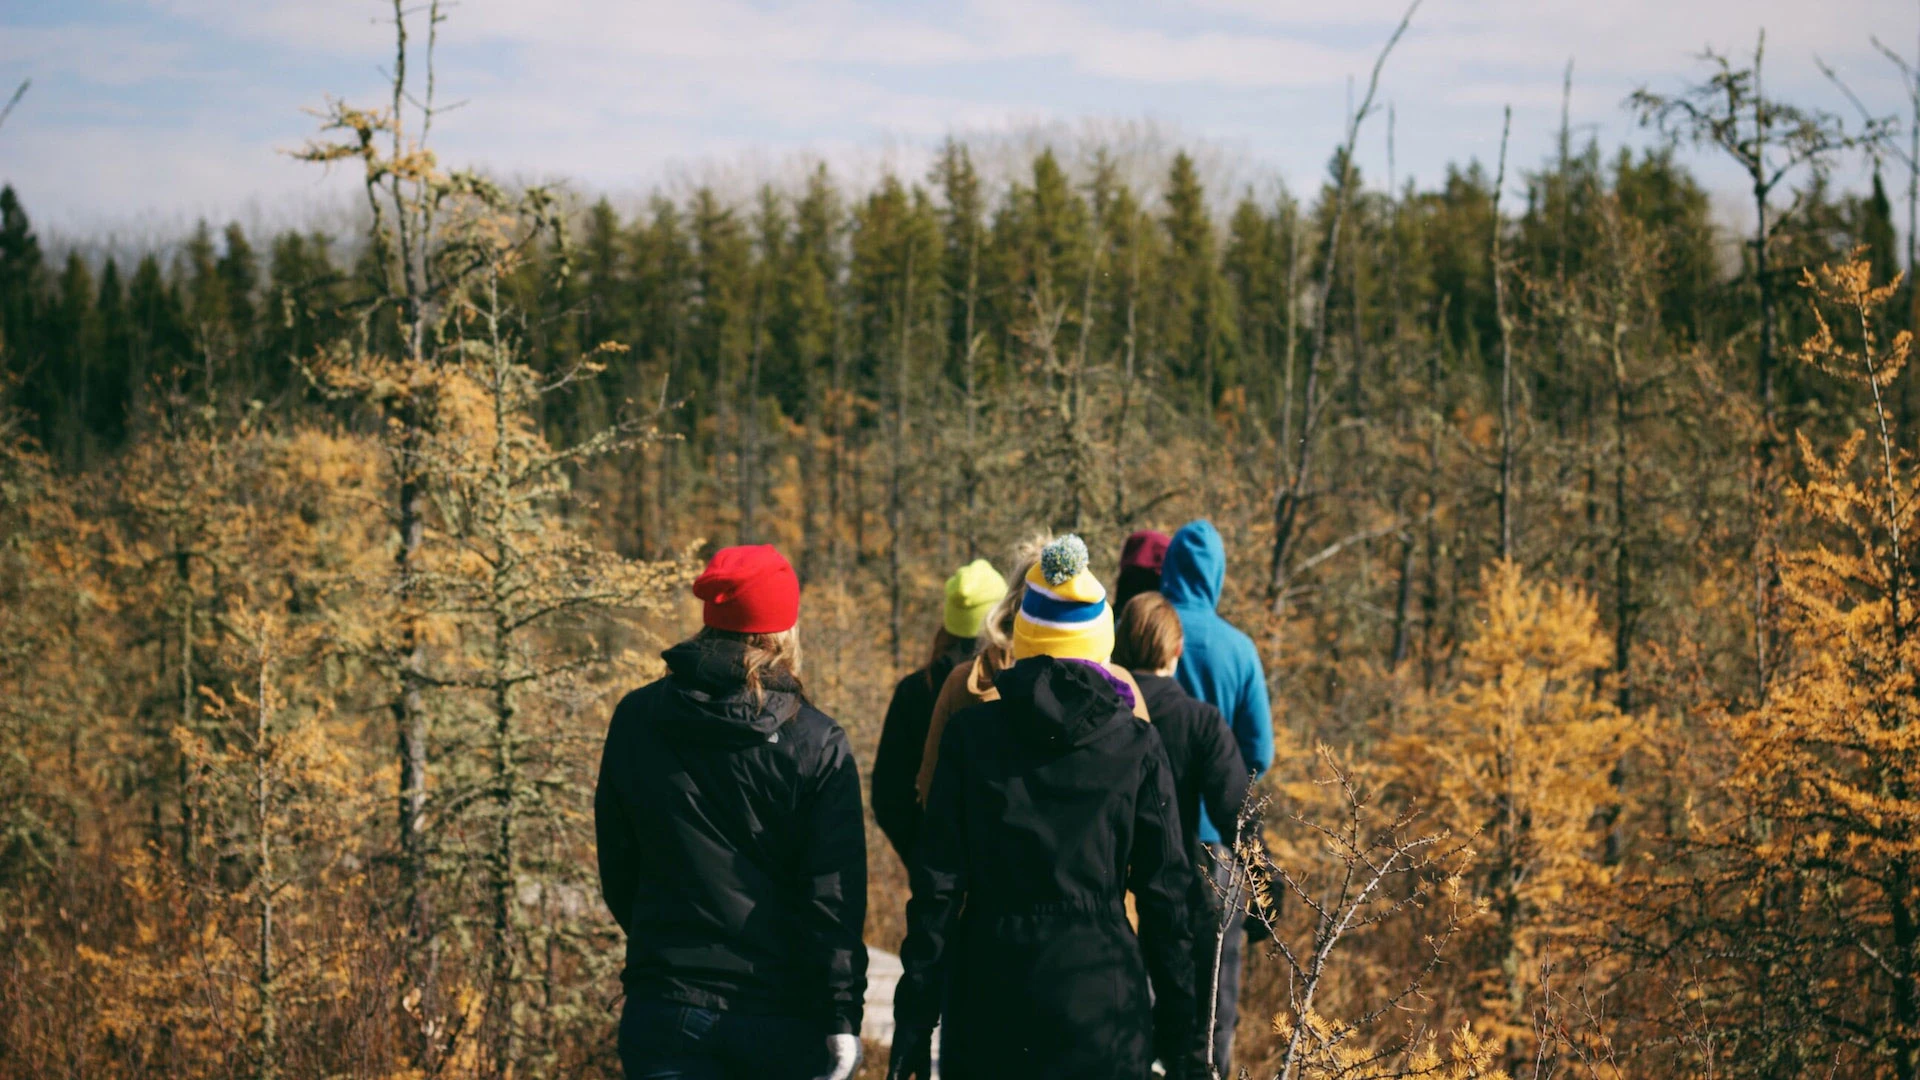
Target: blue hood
(1195,569)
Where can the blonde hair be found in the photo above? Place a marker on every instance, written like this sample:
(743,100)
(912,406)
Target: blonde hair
(1149,636)
(780,651)
(997,632)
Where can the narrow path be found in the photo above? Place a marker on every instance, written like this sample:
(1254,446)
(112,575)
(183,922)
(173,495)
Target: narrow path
(883,974)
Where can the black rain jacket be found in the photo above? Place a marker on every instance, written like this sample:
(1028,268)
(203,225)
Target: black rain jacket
(903,741)
(1206,766)
(1206,760)
(731,843)
(1047,807)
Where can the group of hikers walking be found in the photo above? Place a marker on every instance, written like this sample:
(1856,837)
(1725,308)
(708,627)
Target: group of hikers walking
(1062,747)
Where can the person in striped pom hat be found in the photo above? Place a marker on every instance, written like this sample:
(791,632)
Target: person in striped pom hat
(1064,613)
(1049,805)
(972,683)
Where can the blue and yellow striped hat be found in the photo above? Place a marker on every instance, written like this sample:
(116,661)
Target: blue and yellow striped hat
(1064,613)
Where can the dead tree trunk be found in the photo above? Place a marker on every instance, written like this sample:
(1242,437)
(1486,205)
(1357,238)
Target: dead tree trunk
(1506,350)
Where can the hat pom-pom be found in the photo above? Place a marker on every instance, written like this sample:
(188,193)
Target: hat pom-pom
(1063,560)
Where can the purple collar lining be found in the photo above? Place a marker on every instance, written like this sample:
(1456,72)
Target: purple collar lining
(1119,684)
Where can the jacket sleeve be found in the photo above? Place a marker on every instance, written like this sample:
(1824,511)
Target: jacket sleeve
(835,862)
(896,764)
(1159,877)
(1253,717)
(1222,771)
(615,846)
(939,886)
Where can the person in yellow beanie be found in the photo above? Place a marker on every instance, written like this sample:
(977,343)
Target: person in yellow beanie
(970,594)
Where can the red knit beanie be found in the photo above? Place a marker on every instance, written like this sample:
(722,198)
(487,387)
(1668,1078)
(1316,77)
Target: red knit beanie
(749,590)
(1144,550)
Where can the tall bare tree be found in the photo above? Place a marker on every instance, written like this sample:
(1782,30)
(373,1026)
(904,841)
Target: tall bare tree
(1297,461)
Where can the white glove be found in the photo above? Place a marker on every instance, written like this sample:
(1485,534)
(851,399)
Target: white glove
(844,1051)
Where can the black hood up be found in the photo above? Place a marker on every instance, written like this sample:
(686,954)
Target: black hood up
(710,677)
(1067,702)
(1048,806)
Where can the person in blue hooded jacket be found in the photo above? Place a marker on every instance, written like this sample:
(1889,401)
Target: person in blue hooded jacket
(1222,668)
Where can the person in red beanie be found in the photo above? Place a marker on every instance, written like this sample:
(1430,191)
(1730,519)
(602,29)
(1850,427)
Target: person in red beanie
(1140,559)
(750,589)
(732,849)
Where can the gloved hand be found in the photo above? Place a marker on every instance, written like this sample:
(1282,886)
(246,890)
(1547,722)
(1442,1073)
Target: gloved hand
(1181,1056)
(1258,930)
(844,1052)
(912,1057)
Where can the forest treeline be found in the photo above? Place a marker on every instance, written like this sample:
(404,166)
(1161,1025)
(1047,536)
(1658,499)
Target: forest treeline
(1577,532)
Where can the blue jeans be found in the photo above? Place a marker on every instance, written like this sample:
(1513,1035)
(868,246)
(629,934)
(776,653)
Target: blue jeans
(660,1040)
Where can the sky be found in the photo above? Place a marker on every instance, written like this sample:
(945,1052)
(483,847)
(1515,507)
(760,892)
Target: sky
(144,114)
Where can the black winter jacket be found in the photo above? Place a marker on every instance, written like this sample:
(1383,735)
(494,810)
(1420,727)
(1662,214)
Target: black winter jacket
(731,843)
(1047,806)
(1205,758)
(1206,764)
(903,741)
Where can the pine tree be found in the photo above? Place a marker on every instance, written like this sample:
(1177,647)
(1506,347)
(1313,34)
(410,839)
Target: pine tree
(1198,332)
(121,386)
(964,238)
(74,341)
(893,280)
(810,343)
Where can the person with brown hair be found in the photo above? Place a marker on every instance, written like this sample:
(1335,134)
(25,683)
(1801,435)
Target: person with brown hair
(1207,771)
(732,849)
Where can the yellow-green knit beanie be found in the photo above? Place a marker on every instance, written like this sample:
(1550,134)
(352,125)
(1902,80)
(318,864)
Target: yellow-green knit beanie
(971,593)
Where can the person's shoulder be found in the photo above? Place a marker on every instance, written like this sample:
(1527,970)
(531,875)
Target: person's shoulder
(813,736)
(638,702)
(919,679)
(1190,710)
(811,726)
(1237,642)
(1150,745)
(1203,712)
(974,712)
(1181,719)
(960,676)
(1162,695)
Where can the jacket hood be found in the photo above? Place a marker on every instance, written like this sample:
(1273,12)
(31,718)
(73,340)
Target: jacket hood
(709,676)
(1195,570)
(1067,702)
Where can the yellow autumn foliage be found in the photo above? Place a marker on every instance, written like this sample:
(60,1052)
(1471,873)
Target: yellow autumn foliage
(1518,755)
